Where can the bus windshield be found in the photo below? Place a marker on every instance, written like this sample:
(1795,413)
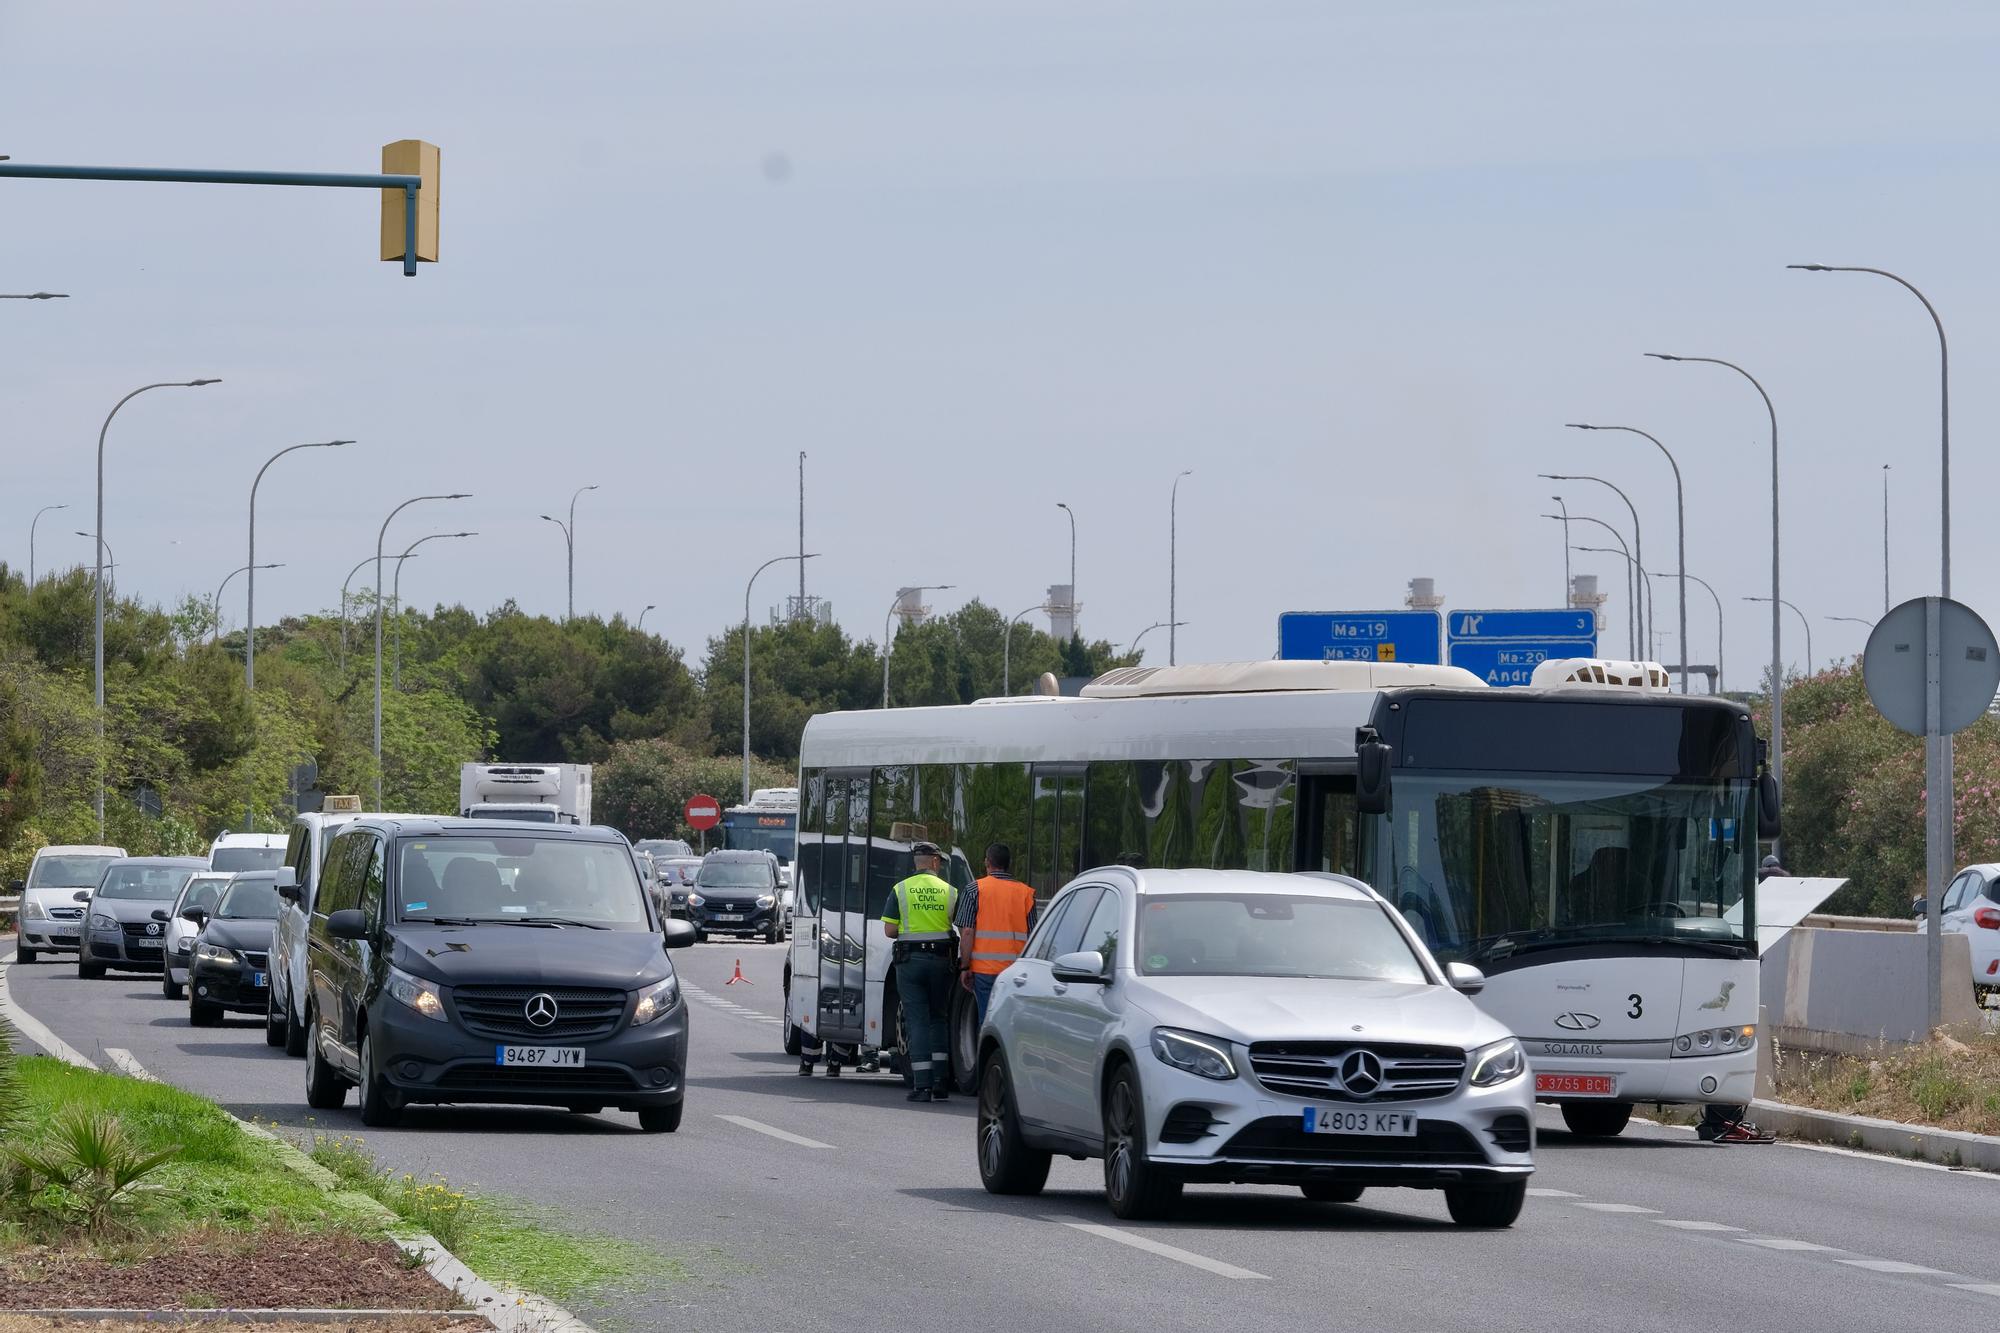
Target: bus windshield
(762,832)
(1487,865)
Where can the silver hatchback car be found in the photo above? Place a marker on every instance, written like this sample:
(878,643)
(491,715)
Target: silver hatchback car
(1240,1027)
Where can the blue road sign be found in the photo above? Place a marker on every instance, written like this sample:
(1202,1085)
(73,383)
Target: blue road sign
(1506,664)
(1537,625)
(1359,636)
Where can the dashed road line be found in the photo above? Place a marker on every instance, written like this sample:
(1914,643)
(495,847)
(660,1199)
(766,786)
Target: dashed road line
(1614,1208)
(1891,1266)
(745,1122)
(33,1029)
(1179,1256)
(1983,1288)
(1680,1225)
(128,1065)
(1782,1243)
(1961,1172)
(1552,1194)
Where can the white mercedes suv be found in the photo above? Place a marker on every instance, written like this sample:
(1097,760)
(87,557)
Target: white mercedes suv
(1240,1027)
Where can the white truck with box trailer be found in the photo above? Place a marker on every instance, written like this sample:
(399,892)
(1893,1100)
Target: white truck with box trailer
(532,793)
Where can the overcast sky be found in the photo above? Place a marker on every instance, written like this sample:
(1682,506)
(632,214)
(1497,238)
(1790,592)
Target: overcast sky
(1353,264)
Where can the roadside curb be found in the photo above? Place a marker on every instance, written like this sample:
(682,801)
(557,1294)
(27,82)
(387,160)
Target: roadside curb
(313,1316)
(1945,1147)
(506,1309)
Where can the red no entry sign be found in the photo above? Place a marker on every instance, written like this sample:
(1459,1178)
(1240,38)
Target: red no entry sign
(703,812)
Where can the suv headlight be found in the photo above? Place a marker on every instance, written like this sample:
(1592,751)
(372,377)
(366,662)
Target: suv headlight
(416,993)
(766,900)
(217,953)
(99,921)
(1206,1057)
(696,900)
(656,1000)
(1498,1062)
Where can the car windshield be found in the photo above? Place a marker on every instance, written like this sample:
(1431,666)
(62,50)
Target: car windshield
(664,846)
(246,858)
(68,872)
(1272,935)
(565,881)
(204,891)
(251,900)
(734,875)
(151,883)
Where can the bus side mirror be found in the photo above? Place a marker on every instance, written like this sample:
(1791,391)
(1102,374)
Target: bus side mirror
(1769,823)
(1371,777)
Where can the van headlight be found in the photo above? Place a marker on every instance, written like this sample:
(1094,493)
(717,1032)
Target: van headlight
(416,993)
(656,1000)
(1205,1057)
(1498,1062)
(696,900)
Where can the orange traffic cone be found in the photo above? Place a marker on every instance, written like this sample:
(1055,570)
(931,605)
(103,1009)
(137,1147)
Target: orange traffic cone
(739,976)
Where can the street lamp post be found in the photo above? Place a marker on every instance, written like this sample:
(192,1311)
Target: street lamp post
(1007,648)
(396,599)
(1718,627)
(569,543)
(99,649)
(1072,567)
(380,535)
(1802,620)
(774,560)
(215,630)
(1569,579)
(1638,544)
(1137,638)
(641,627)
(250,608)
(1680,527)
(110,556)
(1173,569)
(1632,570)
(343,607)
(1777,623)
(31,538)
(890,618)
(1633,618)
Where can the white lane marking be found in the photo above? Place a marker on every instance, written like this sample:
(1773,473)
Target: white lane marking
(31,1028)
(1151,1246)
(1891,1161)
(1693,1226)
(1983,1288)
(1552,1194)
(1614,1208)
(1781,1243)
(745,1122)
(128,1065)
(1891,1266)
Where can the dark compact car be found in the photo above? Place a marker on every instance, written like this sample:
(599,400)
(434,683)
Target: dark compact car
(737,893)
(488,961)
(119,929)
(230,968)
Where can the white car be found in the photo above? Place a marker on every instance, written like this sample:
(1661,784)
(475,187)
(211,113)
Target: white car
(247,851)
(50,920)
(203,889)
(1239,1027)
(1971,907)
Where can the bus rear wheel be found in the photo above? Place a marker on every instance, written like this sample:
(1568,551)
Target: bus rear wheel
(1596,1120)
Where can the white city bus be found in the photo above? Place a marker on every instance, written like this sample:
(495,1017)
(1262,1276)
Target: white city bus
(1590,844)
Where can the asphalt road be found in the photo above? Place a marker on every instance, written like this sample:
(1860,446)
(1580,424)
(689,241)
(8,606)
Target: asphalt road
(805,1204)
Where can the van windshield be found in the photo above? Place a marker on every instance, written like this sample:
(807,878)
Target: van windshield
(68,872)
(246,858)
(525,880)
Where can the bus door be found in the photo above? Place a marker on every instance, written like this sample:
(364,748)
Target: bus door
(1055,827)
(1328,827)
(843,927)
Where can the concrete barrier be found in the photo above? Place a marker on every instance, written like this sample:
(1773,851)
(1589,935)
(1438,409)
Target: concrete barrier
(1847,992)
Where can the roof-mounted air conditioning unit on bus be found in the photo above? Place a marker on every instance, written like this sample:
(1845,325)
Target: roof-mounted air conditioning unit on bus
(1600,672)
(1261,677)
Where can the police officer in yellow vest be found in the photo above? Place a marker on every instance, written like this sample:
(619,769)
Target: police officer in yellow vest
(918,918)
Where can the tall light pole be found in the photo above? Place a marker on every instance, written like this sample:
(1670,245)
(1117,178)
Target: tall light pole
(1569,579)
(1777,622)
(99,651)
(31,538)
(1885,539)
(774,560)
(1140,636)
(215,631)
(380,535)
(641,626)
(1802,620)
(1638,543)
(1633,618)
(1680,527)
(891,617)
(1007,648)
(1718,627)
(1173,568)
(1631,569)
(1073,631)
(396,597)
(569,543)
(250,608)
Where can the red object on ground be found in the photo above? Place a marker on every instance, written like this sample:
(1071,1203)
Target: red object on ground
(739,976)
(702,812)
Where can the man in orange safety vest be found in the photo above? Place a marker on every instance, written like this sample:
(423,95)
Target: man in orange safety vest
(994,920)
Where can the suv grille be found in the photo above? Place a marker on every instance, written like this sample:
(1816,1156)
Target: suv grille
(259,962)
(499,1011)
(745,905)
(1281,1138)
(1312,1069)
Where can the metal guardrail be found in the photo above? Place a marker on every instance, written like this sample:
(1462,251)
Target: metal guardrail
(10,903)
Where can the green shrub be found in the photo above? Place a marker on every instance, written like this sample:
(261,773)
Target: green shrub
(87,1176)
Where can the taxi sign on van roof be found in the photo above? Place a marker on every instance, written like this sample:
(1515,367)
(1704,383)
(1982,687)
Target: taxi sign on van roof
(342,805)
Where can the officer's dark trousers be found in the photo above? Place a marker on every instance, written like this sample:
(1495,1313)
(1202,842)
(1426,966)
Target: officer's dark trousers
(923,984)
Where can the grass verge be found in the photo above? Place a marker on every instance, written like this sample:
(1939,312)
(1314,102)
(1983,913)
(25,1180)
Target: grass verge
(1948,1082)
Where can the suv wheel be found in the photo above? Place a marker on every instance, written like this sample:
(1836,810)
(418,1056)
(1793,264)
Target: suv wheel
(1007,1165)
(274,1025)
(1135,1188)
(660,1119)
(1596,1120)
(773,932)
(379,1106)
(325,1089)
(1486,1205)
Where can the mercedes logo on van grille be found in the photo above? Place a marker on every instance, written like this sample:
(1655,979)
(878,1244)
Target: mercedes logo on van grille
(1576,1021)
(540,1010)
(1361,1073)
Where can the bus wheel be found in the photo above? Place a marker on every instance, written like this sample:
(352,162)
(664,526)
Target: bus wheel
(1596,1120)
